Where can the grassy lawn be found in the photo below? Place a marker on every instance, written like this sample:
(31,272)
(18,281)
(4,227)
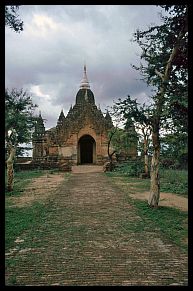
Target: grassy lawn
(171,222)
(174,181)
(17,220)
(21,180)
(171,181)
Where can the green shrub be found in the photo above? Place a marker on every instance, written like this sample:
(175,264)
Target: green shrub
(171,180)
(130,168)
(175,181)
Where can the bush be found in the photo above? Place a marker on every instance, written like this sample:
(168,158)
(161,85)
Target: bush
(130,168)
(175,181)
(166,163)
(176,164)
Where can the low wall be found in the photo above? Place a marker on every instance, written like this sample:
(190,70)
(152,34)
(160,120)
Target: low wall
(65,167)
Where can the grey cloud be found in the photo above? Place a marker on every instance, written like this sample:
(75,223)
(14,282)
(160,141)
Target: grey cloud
(97,34)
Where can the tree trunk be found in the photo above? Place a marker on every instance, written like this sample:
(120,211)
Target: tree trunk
(110,164)
(146,165)
(108,151)
(155,182)
(146,168)
(10,171)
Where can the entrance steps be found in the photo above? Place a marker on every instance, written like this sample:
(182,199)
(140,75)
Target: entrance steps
(87,169)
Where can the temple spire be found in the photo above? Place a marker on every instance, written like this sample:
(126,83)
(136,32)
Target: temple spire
(61,117)
(84,83)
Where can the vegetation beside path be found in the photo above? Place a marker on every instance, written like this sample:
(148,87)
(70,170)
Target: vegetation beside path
(171,222)
(19,219)
(171,180)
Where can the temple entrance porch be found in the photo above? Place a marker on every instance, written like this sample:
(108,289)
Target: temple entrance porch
(86,150)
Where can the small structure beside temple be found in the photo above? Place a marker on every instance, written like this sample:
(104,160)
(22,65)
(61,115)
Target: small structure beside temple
(79,138)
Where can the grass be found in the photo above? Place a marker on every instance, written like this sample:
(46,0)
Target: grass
(21,180)
(170,222)
(17,220)
(172,181)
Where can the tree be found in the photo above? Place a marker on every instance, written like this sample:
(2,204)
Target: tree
(145,134)
(174,150)
(11,18)
(110,153)
(164,50)
(19,122)
(132,113)
(121,139)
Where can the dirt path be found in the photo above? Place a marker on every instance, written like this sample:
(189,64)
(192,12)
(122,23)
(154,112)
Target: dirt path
(166,199)
(87,169)
(38,190)
(83,242)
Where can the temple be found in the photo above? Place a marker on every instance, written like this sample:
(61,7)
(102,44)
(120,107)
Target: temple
(79,138)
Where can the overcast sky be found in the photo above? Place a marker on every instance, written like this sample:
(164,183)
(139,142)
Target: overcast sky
(48,56)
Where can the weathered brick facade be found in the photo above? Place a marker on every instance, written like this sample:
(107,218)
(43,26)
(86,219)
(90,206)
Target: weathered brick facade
(79,138)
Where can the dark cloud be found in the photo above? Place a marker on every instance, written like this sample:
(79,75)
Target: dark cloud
(47,58)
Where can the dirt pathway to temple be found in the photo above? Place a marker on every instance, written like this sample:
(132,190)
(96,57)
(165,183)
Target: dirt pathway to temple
(82,242)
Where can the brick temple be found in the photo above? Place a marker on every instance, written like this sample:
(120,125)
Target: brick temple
(79,138)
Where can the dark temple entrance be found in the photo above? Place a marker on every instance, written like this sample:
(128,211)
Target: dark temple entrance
(87,149)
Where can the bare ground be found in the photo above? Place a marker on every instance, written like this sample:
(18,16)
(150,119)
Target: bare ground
(38,190)
(166,199)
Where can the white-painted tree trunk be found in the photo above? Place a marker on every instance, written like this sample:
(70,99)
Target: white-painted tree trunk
(146,168)
(154,195)
(146,165)
(10,170)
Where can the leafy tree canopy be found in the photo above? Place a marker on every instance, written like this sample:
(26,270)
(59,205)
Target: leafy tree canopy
(19,119)
(12,18)
(157,44)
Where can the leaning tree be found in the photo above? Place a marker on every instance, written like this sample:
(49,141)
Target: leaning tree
(164,56)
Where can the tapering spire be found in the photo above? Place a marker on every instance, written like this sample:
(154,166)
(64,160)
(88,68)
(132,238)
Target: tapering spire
(61,117)
(84,83)
(108,119)
(39,127)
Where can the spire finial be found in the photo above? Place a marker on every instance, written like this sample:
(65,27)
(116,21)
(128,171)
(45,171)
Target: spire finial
(84,83)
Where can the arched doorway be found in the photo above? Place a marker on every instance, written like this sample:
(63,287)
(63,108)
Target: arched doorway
(86,150)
